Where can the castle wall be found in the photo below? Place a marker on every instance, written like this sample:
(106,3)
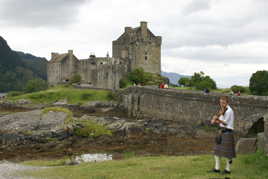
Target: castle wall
(102,72)
(148,56)
(54,73)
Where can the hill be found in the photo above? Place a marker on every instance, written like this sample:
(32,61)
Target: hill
(173,77)
(38,65)
(17,68)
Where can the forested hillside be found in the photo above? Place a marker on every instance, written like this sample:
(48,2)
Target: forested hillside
(17,68)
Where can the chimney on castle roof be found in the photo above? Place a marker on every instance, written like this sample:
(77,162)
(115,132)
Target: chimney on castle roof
(70,52)
(144,29)
(128,29)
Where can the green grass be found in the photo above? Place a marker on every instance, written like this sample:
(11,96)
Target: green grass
(162,167)
(73,95)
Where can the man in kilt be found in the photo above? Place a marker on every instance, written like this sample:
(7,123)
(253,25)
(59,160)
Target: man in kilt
(225,144)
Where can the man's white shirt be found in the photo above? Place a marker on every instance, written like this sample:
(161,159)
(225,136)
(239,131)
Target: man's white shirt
(228,118)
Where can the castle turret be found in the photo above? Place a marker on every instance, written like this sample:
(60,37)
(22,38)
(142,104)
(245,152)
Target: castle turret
(139,47)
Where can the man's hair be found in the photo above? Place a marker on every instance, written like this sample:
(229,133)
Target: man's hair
(225,98)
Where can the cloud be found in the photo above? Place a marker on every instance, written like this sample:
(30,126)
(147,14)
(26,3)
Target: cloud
(250,53)
(39,13)
(198,35)
(196,6)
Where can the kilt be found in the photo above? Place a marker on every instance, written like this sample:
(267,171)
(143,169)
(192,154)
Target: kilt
(227,146)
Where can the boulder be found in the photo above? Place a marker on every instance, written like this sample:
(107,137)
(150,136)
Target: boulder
(246,145)
(32,127)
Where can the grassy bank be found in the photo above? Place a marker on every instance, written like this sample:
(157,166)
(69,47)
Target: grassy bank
(71,94)
(164,167)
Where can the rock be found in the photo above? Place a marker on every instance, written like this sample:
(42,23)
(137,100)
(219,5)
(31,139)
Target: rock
(23,101)
(260,141)
(100,104)
(104,110)
(32,127)
(246,145)
(61,102)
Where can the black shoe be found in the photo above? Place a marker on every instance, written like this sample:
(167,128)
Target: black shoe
(214,171)
(226,172)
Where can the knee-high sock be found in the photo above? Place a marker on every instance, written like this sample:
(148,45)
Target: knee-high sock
(228,164)
(217,162)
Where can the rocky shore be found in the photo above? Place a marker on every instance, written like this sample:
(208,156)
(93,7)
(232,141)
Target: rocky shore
(38,134)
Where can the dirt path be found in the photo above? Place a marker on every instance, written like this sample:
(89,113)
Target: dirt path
(8,170)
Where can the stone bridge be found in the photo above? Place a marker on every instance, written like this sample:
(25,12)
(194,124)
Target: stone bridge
(193,108)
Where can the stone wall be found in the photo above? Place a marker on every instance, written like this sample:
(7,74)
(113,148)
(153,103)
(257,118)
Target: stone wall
(191,108)
(266,134)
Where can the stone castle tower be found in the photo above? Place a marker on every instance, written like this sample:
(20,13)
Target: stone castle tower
(140,48)
(136,47)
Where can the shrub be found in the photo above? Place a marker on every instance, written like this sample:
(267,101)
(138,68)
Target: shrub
(86,96)
(112,96)
(36,85)
(184,81)
(236,88)
(258,84)
(91,129)
(139,76)
(14,93)
(75,79)
(124,82)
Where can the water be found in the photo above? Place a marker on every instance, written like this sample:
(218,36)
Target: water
(93,158)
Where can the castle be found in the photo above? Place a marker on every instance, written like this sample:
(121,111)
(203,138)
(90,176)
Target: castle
(136,47)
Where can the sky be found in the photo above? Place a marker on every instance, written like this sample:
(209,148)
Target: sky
(226,39)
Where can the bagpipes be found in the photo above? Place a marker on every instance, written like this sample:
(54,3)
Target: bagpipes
(215,119)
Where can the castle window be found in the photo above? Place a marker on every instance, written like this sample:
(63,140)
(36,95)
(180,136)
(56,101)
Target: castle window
(146,58)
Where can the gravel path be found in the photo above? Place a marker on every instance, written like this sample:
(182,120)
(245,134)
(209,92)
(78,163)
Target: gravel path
(8,170)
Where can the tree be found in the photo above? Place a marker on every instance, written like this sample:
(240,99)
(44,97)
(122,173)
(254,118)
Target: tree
(236,88)
(75,79)
(184,81)
(258,84)
(139,76)
(201,81)
(36,85)
(124,82)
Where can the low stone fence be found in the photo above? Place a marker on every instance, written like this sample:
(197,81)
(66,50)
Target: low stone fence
(191,108)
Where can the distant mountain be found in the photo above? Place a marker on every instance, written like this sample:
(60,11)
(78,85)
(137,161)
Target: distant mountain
(173,77)
(17,68)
